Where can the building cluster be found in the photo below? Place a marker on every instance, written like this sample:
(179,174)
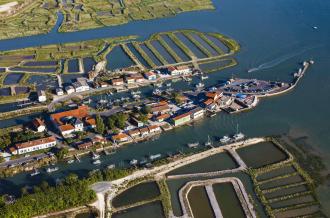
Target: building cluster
(153,75)
(76,120)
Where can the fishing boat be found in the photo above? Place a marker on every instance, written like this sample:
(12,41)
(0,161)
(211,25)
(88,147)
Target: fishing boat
(95,156)
(204,77)
(50,170)
(96,162)
(200,85)
(154,156)
(111,166)
(156,92)
(209,142)
(225,139)
(193,145)
(35,172)
(70,161)
(169,84)
(133,162)
(238,136)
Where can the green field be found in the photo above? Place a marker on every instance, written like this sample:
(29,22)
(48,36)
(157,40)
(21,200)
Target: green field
(39,16)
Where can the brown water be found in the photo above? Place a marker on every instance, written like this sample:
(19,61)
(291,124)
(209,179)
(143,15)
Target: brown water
(217,162)
(261,154)
(199,202)
(137,193)
(228,201)
(152,210)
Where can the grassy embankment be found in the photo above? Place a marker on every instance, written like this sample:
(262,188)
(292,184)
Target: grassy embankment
(286,181)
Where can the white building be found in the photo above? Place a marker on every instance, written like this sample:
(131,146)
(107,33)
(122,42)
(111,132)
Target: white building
(38,125)
(81,85)
(179,70)
(42,96)
(150,75)
(69,90)
(196,113)
(35,145)
(59,92)
(183,70)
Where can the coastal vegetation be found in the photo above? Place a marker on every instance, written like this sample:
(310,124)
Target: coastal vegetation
(274,190)
(71,192)
(39,16)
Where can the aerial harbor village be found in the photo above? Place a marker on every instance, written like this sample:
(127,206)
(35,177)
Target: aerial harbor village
(111,126)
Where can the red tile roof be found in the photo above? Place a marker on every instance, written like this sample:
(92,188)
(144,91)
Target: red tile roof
(163,117)
(38,122)
(66,127)
(208,101)
(182,116)
(35,142)
(119,136)
(80,112)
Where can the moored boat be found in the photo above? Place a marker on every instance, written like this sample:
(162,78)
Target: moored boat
(193,145)
(50,170)
(35,172)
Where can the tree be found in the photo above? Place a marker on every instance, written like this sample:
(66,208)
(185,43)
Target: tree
(146,109)
(121,120)
(71,179)
(5,141)
(143,118)
(99,124)
(62,153)
(111,122)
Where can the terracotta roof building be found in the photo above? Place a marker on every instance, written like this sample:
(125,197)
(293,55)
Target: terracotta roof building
(34,145)
(70,121)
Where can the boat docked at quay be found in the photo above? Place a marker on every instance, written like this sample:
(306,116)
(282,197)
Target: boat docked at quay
(35,173)
(225,139)
(193,145)
(96,162)
(51,170)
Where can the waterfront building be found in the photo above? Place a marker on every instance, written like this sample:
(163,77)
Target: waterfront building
(181,119)
(136,122)
(59,92)
(69,90)
(117,82)
(150,75)
(34,145)
(154,129)
(130,79)
(99,139)
(179,70)
(162,117)
(81,85)
(120,137)
(38,125)
(134,133)
(214,95)
(138,77)
(70,121)
(160,108)
(197,112)
(144,131)
(84,145)
(172,71)
(42,96)
(183,70)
